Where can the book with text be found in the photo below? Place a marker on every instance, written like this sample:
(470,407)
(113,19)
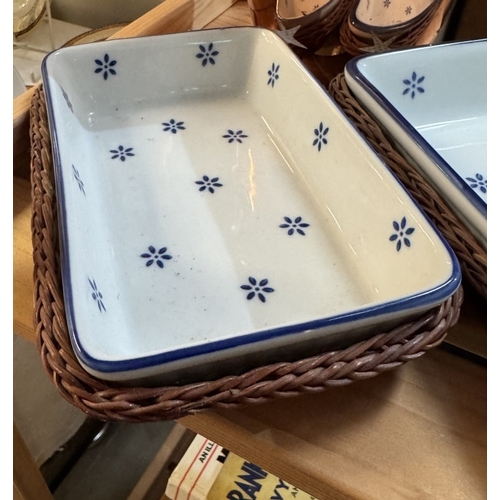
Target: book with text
(209,472)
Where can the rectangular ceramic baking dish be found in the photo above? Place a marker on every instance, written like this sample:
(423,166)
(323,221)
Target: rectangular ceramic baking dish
(218,211)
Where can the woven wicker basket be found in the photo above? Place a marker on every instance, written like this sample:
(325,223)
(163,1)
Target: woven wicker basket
(112,402)
(472,257)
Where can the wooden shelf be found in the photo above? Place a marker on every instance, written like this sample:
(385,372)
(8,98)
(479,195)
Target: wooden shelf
(416,432)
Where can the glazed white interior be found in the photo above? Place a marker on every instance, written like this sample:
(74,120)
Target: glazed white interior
(115,210)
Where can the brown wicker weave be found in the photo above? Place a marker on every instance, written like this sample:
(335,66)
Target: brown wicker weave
(409,38)
(471,255)
(111,402)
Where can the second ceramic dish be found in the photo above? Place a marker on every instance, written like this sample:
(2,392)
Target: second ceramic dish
(432,101)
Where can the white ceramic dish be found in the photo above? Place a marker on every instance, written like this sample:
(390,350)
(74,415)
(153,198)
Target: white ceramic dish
(432,101)
(211,220)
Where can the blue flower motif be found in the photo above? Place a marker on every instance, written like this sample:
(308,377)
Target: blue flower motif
(121,153)
(156,256)
(320,134)
(294,225)
(173,126)
(105,66)
(273,74)
(207,54)
(209,184)
(401,234)
(479,182)
(414,84)
(257,289)
(97,295)
(78,180)
(235,136)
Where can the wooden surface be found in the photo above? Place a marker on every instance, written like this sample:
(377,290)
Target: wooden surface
(418,432)
(173,16)
(23,261)
(153,482)
(28,482)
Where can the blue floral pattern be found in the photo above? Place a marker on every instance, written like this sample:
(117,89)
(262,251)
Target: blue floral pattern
(478,182)
(106,66)
(173,126)
(257,289)
(209,183)
(154,263)
(320,134)
(76,174)
(207,54)
(97,295)
(121,153)
(235,136)
(401,234)
(273,74)
(294,225)
(413,85)
(156,256)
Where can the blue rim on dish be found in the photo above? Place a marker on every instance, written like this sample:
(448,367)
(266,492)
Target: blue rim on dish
(426,298)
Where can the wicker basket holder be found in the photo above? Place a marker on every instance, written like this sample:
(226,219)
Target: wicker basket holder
(112,402)
(355,45)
